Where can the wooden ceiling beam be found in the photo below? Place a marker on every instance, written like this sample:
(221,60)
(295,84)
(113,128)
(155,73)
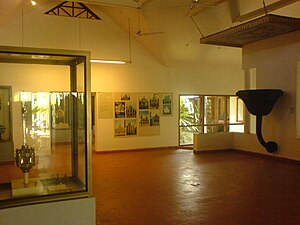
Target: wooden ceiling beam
(234,9)
(143,3)
(261,11)
(108,3)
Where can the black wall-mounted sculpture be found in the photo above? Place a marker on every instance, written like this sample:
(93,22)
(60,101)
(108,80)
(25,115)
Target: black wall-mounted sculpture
(260,102)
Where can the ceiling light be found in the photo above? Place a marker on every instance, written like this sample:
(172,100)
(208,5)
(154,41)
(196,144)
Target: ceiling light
(108,61)
(33,2)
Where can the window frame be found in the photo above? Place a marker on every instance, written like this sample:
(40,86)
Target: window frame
(202,115)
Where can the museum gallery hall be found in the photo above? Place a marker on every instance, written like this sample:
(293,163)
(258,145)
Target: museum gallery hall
(149,112)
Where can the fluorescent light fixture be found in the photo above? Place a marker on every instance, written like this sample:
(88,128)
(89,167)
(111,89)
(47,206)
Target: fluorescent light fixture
(108,61)
(33,2)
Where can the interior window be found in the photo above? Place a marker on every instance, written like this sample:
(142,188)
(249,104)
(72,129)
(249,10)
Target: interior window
(209,114)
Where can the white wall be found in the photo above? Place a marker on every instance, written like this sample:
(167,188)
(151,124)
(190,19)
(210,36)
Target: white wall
(107,40)
(144,75)
(275,61)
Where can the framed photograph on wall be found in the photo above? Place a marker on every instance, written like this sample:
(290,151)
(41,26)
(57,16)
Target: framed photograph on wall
(131,127)
(125,96)
(105,105)
(119,109)
(144,119)
(154,101)
(130,110)
(167,104)
(154,118)
(143,103)
(119,129)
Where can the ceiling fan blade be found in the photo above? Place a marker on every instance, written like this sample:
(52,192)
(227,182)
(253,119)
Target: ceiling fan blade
(139,31)
(149,33)
(177,6)
(207,6)
(200,6)
(193,5)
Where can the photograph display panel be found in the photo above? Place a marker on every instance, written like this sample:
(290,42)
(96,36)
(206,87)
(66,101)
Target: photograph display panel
(135,114)
(149,114)
(125,114)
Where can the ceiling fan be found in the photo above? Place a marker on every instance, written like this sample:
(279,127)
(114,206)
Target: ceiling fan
(195,4)
(139,31)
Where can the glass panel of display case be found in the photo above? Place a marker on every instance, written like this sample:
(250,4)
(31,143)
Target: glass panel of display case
(60,117)
(50,160)
(81,136)
(6,144)
(81,121)
(36,121)
(5,133)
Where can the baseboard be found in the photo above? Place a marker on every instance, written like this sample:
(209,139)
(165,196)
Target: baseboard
(273,157)
(213,151)
(137,149)
(261,155)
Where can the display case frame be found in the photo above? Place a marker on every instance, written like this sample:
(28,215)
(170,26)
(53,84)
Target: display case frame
(70,58)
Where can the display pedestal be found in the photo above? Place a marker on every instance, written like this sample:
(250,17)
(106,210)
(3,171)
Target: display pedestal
(80,211)
(34,187)
(57,188)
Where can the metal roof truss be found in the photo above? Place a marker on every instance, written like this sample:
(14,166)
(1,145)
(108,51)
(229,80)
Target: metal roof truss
(73,9)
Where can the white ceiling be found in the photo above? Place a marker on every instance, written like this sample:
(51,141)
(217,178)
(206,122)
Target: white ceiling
(179,43)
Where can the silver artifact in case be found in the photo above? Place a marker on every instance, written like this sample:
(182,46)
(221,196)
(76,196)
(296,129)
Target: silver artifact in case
(25,159)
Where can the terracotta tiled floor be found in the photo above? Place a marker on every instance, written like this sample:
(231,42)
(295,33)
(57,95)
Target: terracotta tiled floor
(181,188)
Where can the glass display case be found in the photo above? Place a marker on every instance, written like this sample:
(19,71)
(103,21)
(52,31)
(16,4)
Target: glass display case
(45,112)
